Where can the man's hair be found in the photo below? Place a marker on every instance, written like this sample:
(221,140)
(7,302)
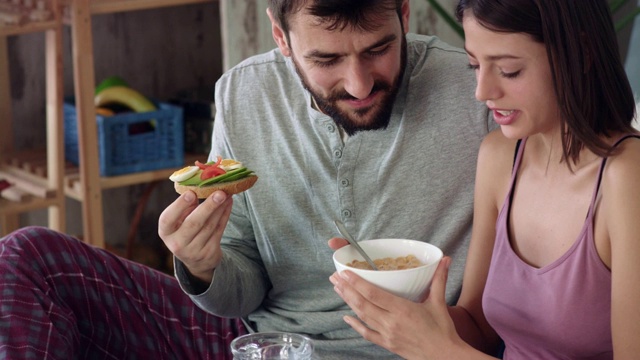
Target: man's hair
(365,15)
(593,91)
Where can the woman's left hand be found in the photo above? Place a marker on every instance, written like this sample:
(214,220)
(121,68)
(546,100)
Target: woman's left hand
(412,330)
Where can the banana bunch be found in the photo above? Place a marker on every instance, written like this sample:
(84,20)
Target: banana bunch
(114,90)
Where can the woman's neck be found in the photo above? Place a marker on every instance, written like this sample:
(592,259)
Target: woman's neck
(547,154)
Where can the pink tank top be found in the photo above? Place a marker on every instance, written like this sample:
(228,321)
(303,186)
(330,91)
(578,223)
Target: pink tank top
(559,311)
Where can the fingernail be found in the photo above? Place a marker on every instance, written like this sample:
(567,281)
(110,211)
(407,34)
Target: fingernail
(189,196)
(219,197)
(333,278)
(345,275)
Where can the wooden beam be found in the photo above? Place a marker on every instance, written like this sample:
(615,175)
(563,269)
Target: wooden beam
(6,122)
(8,223)
(54,70)
(84,83)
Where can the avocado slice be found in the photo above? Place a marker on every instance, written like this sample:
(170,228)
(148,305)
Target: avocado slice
(225,177)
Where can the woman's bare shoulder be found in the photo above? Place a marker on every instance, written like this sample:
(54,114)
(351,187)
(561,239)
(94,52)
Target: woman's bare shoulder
(619,187)
(496,149)
(623,167)
(495,162)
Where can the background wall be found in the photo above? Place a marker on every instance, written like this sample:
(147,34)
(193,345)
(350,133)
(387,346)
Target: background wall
(632,65)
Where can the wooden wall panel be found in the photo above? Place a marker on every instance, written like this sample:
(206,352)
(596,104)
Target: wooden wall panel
(246,30)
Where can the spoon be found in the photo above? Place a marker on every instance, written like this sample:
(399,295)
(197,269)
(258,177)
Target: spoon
(343,230)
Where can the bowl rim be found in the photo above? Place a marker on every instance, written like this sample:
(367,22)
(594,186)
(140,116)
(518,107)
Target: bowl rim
(367,271)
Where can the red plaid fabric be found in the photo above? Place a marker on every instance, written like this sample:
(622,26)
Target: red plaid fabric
(63,299)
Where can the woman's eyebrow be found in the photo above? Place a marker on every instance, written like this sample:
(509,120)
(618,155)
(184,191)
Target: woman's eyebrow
(494,57)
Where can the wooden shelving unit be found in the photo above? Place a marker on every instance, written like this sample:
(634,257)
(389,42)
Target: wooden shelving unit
(45,184)
(89,188)
(41,186)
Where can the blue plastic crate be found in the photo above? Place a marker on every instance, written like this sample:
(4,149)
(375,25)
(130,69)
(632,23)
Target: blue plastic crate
(131,142)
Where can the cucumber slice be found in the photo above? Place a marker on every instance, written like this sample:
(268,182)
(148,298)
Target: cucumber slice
(224,177)
(236,177)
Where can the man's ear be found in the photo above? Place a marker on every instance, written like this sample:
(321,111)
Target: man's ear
(405,9)
(279,35)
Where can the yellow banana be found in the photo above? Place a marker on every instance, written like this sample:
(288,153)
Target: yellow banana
(126,96)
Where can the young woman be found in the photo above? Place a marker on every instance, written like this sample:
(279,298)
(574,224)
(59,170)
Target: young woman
(554,259)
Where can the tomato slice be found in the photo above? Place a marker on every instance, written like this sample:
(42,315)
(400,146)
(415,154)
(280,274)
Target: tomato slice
(218,162)
(210,170)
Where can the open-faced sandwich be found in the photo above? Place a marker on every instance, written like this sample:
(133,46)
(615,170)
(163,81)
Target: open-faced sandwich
(227,175)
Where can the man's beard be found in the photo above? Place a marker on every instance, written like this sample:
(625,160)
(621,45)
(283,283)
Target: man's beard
(380,112)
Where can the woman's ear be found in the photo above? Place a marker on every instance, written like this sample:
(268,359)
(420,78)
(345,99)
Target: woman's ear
(279,35)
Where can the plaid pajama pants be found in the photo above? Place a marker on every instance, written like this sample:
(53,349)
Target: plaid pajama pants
(63,299)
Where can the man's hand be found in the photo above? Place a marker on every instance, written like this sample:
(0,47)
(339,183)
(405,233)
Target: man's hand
(337,243)
(193,232)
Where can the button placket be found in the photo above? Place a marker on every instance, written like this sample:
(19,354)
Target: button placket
(345,179)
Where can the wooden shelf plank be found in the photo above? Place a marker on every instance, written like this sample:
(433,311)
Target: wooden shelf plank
(113,6)
(34,203)
(72,179)
(30,184)
(28,28)
(147,176)
(15,194)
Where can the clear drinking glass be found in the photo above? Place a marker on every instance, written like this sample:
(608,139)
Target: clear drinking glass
(272,346)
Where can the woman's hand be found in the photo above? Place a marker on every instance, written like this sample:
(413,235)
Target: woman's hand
(412,330)
(193,232)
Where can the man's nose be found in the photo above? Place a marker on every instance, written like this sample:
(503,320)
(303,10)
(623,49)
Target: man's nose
(358,81)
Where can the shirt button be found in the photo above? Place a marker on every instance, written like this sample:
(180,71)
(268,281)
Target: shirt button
(344,182)
(337,153)
(346,213)
(331,128)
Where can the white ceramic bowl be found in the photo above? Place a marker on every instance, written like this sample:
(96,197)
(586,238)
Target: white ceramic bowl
(408,283)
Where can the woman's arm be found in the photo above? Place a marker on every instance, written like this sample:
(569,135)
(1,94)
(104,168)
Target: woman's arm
(620,210)
(495,162)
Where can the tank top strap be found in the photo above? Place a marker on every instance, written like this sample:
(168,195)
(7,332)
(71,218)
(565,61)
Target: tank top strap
(601,171)
(519,150)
